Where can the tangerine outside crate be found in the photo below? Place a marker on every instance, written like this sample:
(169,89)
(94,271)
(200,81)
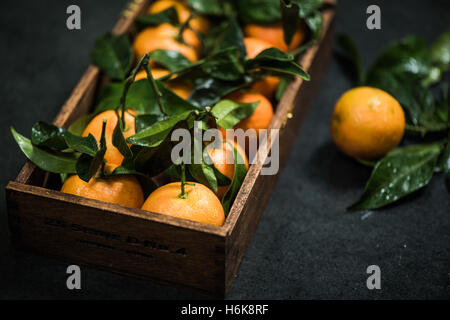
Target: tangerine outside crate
(149,245)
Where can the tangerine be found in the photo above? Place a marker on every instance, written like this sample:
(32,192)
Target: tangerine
(367,123)
(200,204)
(164,36)
(113,156)
(123,190)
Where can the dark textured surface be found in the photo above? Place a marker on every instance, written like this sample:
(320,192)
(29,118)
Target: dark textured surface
(306,246)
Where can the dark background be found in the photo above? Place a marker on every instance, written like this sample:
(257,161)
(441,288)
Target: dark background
(306,246)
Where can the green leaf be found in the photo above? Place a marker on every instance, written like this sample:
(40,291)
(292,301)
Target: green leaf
(314,21)
(55,162)
(169,15)
(271,54)
(259,11)
(224,65)
(407,57)
(282,86)
(203,172)
(400,173)
(351,54)
(310,13)
(277,67)
(48,135)
(276,61)
(170,59)
(308,7)
(174,104)
(208,91)
(119,142)
(113,55)
(140,97)
(290,19)
(146,120)
(208,7)
(421,110)
(240,171)
(87,145)
(229,113)
(155,160)
(154,135)
(226,35)
(78,126)
(440,51)
(89,164)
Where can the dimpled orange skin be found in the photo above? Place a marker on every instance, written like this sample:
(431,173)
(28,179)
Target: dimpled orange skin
(123,190)
(267,86)
(113,156)
(197,23)
(201,204)
(274,34)
(164,37)
(183,89)
(223,159)
(367,123)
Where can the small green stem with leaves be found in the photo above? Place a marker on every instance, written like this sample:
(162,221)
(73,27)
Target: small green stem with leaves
(183,194)
(144,62)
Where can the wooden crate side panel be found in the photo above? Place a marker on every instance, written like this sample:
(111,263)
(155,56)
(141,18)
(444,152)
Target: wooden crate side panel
(253,201)
(118,242)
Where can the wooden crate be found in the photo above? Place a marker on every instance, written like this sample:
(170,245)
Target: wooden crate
(149,245)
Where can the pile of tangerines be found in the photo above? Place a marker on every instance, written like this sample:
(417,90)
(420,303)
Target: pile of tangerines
(185,199)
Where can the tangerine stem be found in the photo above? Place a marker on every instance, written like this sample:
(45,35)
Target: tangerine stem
(183,27)
(154,86)
(183,194)
(143,61)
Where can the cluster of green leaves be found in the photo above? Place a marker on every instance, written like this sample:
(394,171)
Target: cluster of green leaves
(407,69)
(56,150)
(152,146)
